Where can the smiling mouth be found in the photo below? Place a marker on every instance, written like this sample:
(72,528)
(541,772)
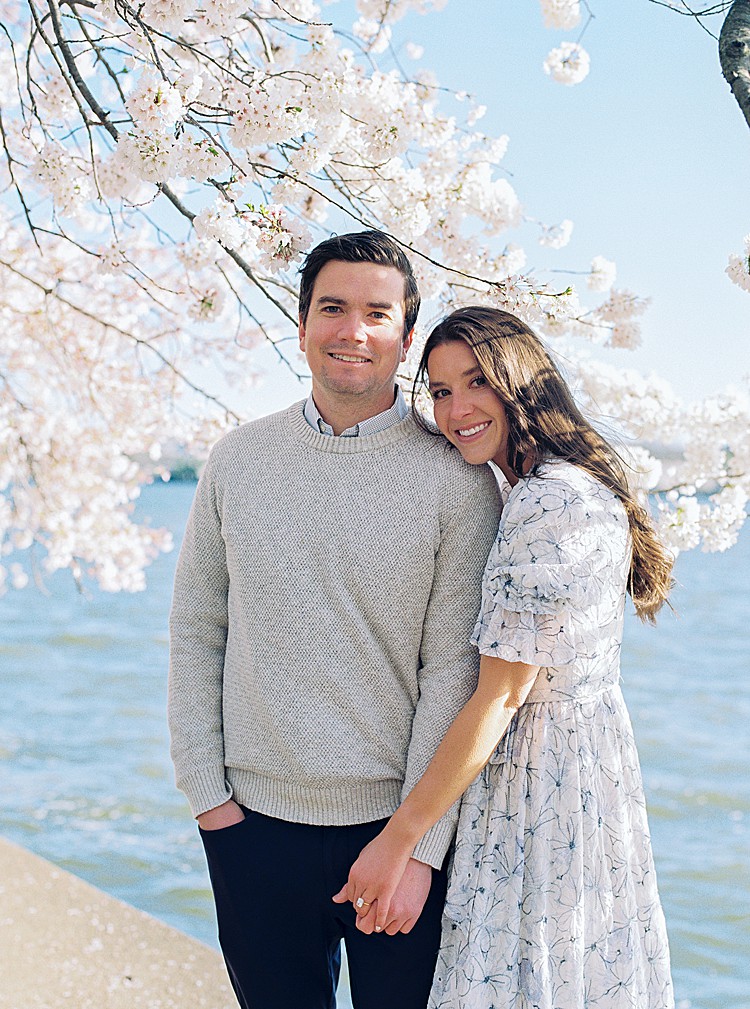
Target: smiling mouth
(469,432)
(349,359)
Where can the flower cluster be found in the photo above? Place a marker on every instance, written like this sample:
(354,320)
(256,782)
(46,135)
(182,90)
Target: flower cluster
(568,63)
(603,273)
(562,14)
(620,313)
(684,522)
(738,269)
(155,104)
(557,236)
(280,238)
(169,188)
(221,223)
(89,395)
(61,175)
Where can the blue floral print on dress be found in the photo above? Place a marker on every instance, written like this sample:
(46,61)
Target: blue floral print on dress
(552,902)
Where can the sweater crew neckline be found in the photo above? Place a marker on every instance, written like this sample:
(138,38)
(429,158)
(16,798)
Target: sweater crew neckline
(345,446)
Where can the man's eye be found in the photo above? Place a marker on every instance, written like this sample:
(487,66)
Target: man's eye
(330,309)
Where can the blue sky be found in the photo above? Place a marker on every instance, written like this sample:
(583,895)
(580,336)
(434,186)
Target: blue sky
(648,156)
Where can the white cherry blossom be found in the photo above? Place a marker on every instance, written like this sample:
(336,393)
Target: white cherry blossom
(170,190)
(603,274)
(568,63)
(556,236)
(562,14)
(738,269)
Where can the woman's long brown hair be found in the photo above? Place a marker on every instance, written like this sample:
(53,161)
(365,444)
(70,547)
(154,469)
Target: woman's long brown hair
(544,421)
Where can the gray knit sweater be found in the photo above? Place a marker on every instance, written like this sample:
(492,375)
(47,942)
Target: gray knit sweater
(324,600)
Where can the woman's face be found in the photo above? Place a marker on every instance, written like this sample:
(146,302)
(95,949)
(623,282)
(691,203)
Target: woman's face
(467,411)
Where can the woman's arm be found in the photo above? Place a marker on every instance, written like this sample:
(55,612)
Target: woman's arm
(465,749)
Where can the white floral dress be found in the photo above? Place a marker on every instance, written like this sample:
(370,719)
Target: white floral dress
(552,902)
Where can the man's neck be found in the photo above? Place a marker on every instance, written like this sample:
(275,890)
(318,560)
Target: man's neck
(340,414)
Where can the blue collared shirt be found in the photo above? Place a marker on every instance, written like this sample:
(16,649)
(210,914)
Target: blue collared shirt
(372,425)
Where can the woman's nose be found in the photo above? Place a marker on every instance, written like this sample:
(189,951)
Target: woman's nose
(460,406)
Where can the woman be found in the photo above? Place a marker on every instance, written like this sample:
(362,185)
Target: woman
(553,900)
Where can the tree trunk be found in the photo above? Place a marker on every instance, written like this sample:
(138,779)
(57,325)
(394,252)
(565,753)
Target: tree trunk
(734,53)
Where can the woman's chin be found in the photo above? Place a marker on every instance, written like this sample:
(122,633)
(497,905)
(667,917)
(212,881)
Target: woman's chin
(474,454)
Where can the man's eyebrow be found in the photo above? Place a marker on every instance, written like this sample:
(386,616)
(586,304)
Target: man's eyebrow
(331,299)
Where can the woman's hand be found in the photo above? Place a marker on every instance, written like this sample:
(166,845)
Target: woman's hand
(373,881)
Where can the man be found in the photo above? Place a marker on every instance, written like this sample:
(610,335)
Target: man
(324,599)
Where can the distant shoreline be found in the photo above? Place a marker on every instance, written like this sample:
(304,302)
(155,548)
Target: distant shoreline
(184,471)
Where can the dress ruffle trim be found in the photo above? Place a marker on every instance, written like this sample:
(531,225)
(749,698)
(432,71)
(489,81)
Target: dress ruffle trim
(538,639)
(543,588)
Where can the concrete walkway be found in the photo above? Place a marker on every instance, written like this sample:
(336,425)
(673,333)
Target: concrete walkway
(66,945)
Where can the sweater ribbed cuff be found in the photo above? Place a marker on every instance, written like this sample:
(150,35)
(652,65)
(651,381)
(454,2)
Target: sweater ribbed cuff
(433,847)
(205,788)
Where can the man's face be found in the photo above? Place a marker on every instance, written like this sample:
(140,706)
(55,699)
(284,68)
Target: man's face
(353,336)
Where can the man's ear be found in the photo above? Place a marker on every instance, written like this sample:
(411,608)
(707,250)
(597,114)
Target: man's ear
(301,335)
(406,344)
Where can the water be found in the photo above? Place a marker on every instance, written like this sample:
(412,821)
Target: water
(86,781)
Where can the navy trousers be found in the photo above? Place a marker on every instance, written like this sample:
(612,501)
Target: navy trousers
(280,932)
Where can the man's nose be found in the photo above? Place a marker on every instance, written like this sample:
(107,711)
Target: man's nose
(352,328)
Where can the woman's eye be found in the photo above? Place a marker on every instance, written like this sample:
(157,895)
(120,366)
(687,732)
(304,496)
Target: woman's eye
(479,380)
(438,393)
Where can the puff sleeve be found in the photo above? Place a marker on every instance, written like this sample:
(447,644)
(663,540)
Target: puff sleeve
(549,568)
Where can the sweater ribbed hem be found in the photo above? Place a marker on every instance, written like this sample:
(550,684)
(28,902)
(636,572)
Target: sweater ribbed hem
(360,802)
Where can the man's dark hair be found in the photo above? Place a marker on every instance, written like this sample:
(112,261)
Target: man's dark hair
(360,247)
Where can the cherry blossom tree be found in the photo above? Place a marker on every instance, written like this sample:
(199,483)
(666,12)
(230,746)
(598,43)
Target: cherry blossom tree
(166,167)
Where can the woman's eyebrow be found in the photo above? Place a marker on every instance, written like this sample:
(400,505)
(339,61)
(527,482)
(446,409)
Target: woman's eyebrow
(464,374)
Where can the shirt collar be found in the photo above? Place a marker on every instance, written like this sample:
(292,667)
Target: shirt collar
(372,425)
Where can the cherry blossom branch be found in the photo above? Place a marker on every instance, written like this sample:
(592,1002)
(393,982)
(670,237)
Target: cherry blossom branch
(83,89)
(138,341)
(19,193)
